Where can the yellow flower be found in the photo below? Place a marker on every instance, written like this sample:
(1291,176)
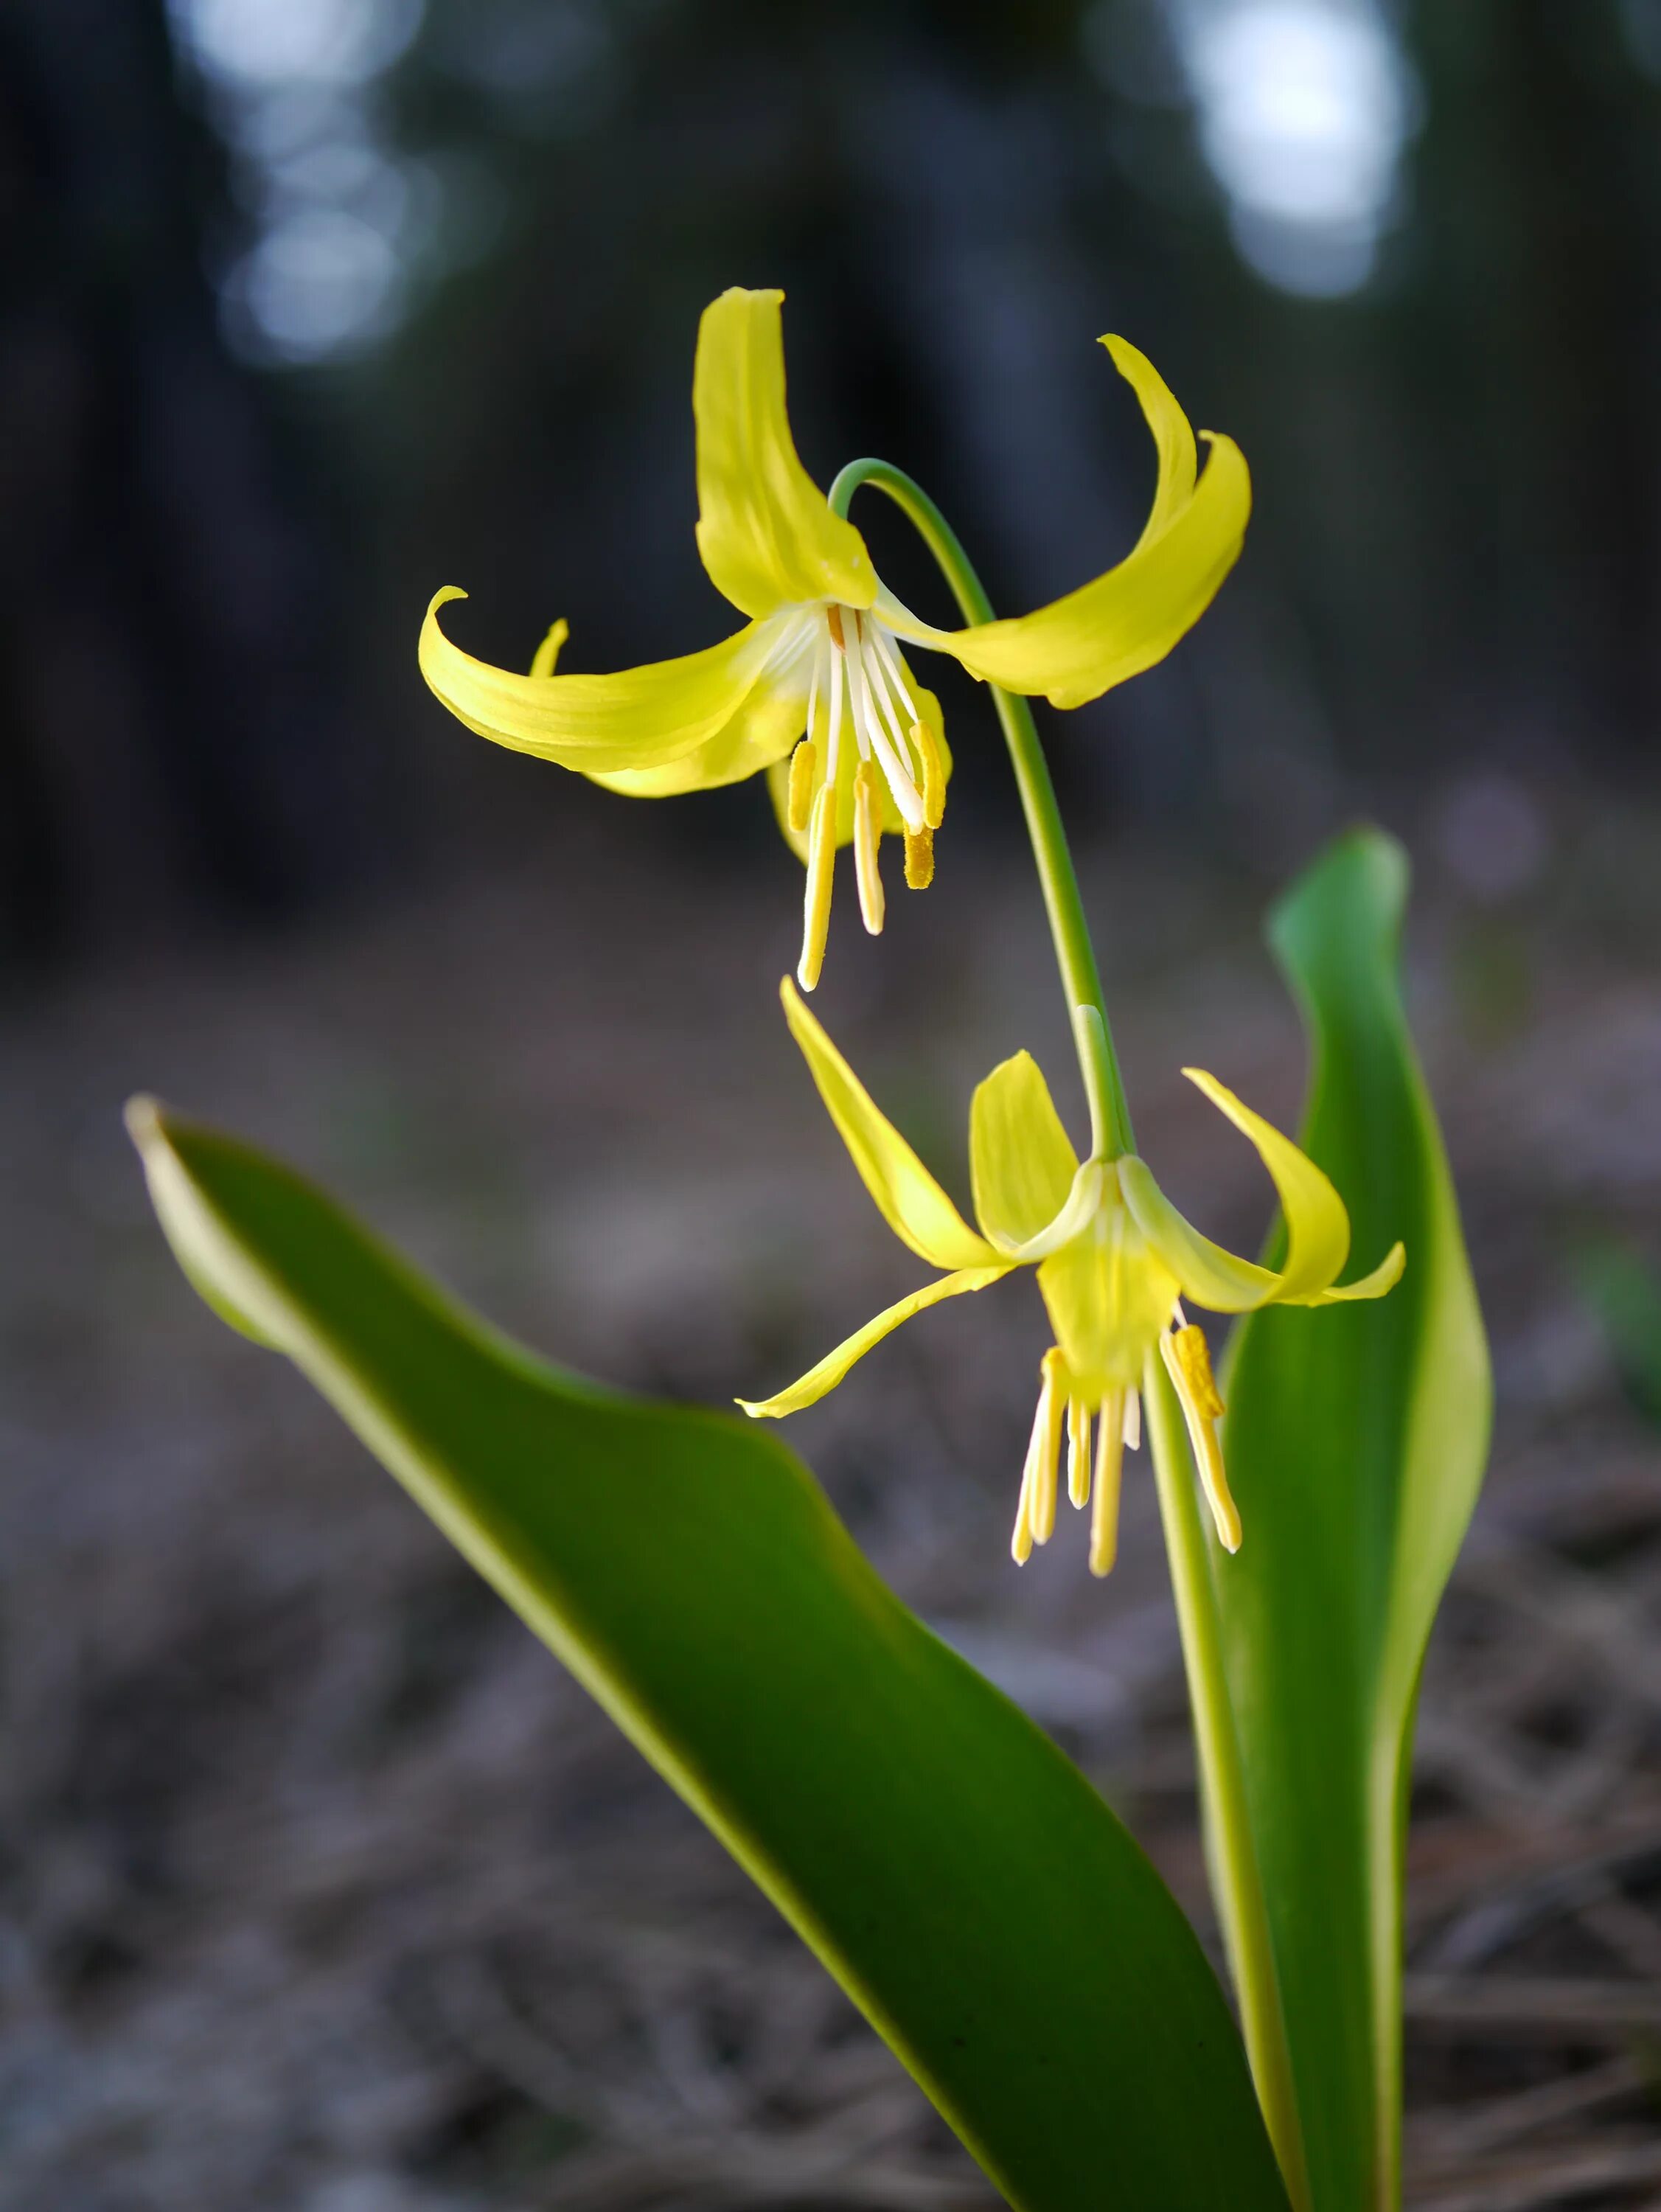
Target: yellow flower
(821,653)
(1114,1258)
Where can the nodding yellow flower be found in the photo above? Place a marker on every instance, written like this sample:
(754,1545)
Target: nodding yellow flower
(1114,1259)
(816,689)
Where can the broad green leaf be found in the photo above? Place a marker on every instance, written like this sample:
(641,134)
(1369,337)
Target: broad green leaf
(958,1876)
(1355,1438)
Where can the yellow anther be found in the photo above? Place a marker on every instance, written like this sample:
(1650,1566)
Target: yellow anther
(1044,1453)
(1078,1452)
(867,839)
(1194,1356)
(1110,1462)
(1190,1370)
(1020,1543)
(934,775)
(919,860)
(799,809)
(822,868)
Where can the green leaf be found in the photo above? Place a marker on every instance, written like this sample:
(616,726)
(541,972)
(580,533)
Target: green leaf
(1356,1438)
(958,1876)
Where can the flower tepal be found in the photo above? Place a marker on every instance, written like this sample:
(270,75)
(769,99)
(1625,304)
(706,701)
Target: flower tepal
(817,689)
(1115,1260)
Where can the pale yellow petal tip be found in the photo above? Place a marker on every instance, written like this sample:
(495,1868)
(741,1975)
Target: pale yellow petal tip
(769,294)
(547,652)
(442,598)
(759,1409)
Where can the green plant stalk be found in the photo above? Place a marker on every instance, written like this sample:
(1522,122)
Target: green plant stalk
(1081,979)
(1232,1852)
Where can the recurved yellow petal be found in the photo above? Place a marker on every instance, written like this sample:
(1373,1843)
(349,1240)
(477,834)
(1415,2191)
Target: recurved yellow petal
(1208,1274)
(835,1365)
(760,735)
(1174,436)
(641,717)
(1317,1225)
(1021,1164)
(1123,622)
(907,1196)
(766,531)
(1384,1276)
(1214,1277)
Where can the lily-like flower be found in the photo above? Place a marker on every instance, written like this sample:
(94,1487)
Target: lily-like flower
(1115,1260)
(815,688)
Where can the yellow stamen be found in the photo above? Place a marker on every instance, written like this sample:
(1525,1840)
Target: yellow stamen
(919,858)
(1020,1543)
(1044,1455)
(1189,1365)
(1110,1462)
(1078,1451)
(1195,1358)
(934,775)
(822,867)
(867,838)
(799,810)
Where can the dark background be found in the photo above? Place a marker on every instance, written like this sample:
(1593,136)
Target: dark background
(318,1885)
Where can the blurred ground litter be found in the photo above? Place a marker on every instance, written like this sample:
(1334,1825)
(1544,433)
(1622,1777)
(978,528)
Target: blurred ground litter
(325,1888)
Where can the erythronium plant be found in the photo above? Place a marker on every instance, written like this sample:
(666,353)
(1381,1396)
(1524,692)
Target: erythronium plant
(690,1572)
(820,661)
(1114,1258)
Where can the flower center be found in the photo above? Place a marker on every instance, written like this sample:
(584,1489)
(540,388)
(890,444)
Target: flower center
(867,736)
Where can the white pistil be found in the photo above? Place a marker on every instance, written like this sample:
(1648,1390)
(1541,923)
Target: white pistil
(820,647)
(857,675)
(904,716)
(834,741)
(868,722)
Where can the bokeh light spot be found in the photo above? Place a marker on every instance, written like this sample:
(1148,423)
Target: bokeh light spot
(1305,110)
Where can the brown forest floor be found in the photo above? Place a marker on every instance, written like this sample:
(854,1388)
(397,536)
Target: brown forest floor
(323,1887)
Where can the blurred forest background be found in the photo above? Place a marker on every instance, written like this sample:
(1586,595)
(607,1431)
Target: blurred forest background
(311,307)
(318,1885)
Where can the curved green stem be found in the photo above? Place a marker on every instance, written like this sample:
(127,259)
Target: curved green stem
(1231,1848)
(1110,1113)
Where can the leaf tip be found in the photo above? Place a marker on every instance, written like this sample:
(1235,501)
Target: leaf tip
(1353,894)
(142,1115)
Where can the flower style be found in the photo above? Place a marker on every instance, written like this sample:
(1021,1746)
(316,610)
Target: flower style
(814,689)
(1114,1258)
